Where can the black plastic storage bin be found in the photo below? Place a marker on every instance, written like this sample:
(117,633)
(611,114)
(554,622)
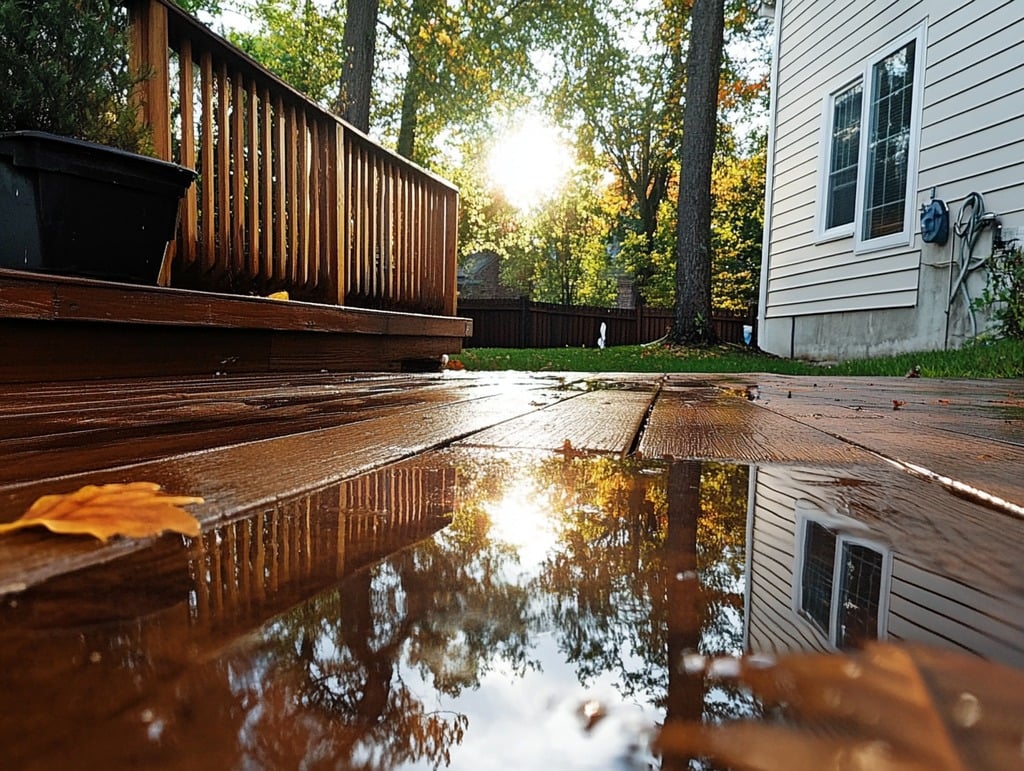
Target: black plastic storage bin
(78,208)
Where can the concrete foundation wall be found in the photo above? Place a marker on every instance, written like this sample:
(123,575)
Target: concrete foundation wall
(863,334)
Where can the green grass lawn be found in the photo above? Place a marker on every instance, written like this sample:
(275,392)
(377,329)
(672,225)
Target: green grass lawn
(993,359)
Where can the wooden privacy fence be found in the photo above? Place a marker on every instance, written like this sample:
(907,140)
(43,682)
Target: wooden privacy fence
(289,197)
(524,324)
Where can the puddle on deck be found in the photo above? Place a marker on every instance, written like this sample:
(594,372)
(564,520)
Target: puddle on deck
(472,610)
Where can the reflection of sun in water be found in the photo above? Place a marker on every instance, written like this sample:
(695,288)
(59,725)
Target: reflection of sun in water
(529,162)
(521,518)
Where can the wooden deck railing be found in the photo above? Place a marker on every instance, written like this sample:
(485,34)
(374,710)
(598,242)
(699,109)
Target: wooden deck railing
(289,197)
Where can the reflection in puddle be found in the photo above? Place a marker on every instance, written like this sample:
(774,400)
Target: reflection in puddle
(483,610)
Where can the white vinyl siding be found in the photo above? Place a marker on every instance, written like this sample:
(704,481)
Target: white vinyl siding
(970,137)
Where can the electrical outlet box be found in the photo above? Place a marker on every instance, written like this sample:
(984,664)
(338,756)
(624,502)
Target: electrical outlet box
(1013,237)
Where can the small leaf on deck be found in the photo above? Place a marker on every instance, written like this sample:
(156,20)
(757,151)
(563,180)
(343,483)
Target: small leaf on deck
(135,510)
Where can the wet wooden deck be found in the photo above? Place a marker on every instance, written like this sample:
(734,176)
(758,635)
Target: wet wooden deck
(68,328)
(242,441)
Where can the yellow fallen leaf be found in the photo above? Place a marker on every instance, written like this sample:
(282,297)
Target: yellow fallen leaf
(135,509)
(278,296)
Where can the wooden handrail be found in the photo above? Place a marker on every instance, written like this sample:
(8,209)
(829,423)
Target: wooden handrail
(289,196)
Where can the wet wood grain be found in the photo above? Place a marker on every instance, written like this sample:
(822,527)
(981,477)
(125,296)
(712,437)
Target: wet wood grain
(976,439)
(705,423)
(239,440)
(605,421)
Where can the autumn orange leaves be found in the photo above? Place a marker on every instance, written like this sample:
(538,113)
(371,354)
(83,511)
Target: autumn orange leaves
(133,510)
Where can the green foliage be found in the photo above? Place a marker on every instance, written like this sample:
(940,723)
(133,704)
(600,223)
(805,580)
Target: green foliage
(1003,295)
(992,359)
(194,6)
(66,71)
(571,263)
(300,42)
(737,221)
(445,66)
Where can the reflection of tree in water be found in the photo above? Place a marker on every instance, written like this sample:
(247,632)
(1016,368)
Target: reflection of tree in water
(445,608)
(618,588)
(455,607)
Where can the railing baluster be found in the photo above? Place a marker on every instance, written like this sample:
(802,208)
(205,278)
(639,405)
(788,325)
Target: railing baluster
(253,180)
(223,170)
(207,144)
(186,94)
(316,260)
(266,263)
(291,194)
(237,170)
(451,252)
(280,212)
(337,226)
(302,200)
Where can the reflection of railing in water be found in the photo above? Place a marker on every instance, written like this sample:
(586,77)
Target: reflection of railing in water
(253,567)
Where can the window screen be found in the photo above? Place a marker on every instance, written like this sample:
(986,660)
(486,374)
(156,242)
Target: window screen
(816,581)
(860,593)
(891,106)
(842,174)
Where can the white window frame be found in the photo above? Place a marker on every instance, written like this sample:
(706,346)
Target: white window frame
(804,518)
(856,228)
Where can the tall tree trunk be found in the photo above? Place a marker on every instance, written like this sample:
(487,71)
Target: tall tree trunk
(360,44)
(692,323)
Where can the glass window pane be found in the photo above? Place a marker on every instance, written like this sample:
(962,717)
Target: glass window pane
(845,147)
(859,595)
(816,581)
(892,92)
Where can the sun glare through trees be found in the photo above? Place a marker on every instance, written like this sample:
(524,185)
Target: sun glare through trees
(529,162)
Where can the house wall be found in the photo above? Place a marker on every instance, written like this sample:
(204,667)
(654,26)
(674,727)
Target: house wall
(944,590)
(823,299)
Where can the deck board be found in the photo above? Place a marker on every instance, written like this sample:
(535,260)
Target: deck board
(706,423)
(62,328)
(976,439)
(245,440)
(606,421)
(242,475)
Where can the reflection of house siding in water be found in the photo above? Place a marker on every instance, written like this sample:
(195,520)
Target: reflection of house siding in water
(951,561)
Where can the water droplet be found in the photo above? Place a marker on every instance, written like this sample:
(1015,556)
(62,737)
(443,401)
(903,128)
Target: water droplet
(967,710)
(832,697)
(869,755)
(689,575)
(852,670)
(95,657)
(146,715)
(592,712)
(154,730)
